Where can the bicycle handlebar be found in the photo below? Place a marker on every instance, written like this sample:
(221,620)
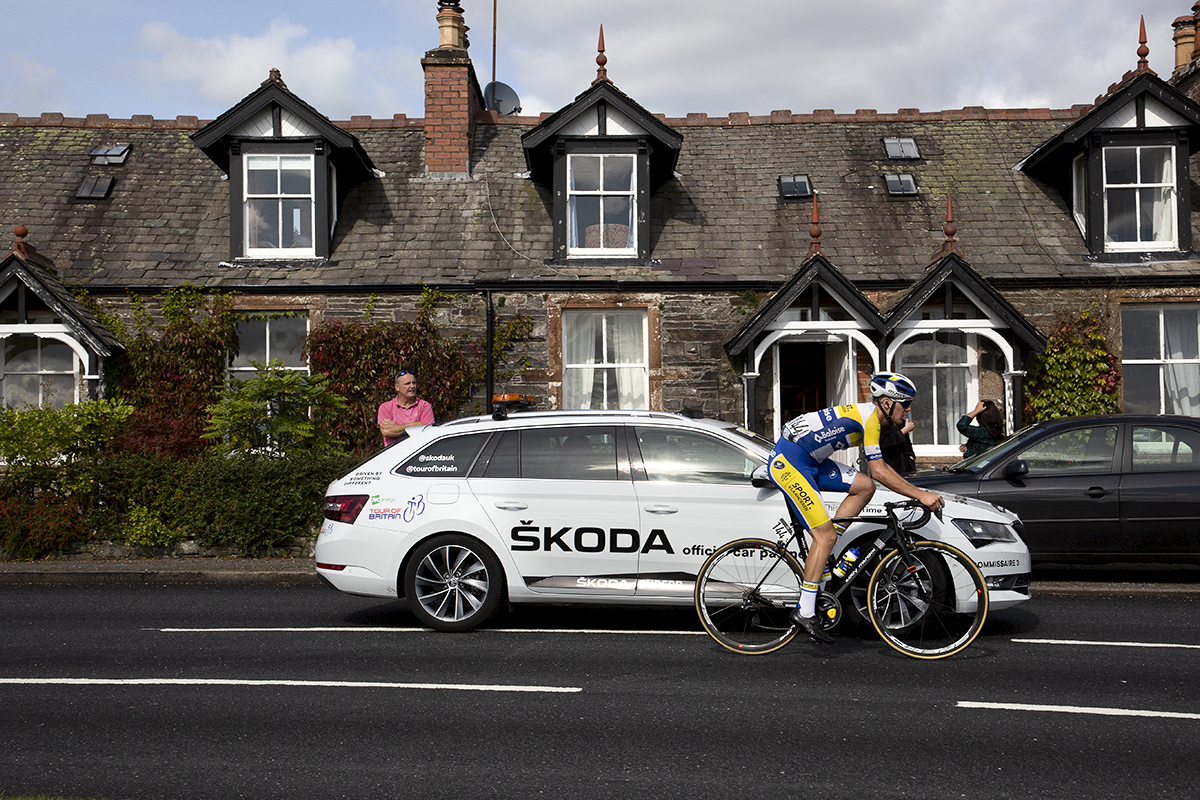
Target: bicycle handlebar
(892,507)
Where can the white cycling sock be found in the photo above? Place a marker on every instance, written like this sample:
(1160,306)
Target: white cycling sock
(808,598)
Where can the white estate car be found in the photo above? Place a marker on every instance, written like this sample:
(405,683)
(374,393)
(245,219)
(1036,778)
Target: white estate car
(587,507)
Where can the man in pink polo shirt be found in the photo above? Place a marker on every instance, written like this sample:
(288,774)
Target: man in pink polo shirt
(405,411)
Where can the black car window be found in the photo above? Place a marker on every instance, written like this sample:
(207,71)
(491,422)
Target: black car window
(587,454)
(504,460)
(1159,448)
(687,457)
(446,458)
(1081,450)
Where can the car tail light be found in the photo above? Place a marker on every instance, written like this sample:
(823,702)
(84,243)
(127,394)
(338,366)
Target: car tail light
(344,507)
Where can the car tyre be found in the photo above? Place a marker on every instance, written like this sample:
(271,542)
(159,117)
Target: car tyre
(453,583)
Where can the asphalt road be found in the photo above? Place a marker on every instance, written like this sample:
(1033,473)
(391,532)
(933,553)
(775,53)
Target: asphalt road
(301,692)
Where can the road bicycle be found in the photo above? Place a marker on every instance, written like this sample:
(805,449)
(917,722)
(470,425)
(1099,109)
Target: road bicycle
(925,599)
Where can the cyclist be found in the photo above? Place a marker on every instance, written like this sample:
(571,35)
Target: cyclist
(801,467)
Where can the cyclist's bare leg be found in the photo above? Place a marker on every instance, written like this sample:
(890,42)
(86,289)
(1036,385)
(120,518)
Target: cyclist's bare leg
(823,538)
(860,493)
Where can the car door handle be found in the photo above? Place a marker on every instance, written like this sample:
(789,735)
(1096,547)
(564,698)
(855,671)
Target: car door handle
(655,509)
(511,505)
(1097,491)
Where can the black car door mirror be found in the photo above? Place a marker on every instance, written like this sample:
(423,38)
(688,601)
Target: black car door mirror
(1016,469)
(760,478)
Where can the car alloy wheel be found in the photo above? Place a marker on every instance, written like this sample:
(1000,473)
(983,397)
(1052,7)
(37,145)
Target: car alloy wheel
(453,583)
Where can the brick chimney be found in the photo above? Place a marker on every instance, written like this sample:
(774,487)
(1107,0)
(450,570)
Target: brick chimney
(452,97)
(1185,42)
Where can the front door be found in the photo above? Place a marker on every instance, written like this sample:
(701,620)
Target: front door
(802,379)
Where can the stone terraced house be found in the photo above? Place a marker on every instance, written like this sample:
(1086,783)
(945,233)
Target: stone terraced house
(749,267)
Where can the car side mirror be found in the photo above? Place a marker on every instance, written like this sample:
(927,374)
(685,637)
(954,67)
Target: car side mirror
(761,478)
(1016,469)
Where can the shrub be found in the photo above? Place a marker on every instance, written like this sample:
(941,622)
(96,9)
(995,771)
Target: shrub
(145,528)
(56,448)
(33,527)
(275,411)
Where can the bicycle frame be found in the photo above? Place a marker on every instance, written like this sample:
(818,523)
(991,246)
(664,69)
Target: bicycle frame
(893,528)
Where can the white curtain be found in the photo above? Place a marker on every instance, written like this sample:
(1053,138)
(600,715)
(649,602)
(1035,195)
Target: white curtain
(1181,340)
(628,346)
(1157,167)
(581,332)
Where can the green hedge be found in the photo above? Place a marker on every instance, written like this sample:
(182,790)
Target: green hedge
(256,504)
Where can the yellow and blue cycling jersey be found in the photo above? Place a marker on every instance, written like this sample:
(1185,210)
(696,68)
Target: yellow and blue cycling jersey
(800,463)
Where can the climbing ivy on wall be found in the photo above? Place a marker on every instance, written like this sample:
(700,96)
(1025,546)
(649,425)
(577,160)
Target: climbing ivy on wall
(1077,374)
(361,356)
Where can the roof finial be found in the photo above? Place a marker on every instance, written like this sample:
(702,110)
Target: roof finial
(19,247)
(950,245)
(814,247)
(601,60)
(1143,50)
(275,76)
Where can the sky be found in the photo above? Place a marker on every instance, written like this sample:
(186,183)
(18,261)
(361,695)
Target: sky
(674,57)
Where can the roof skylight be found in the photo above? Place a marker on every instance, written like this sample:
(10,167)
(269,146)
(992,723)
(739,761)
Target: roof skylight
(794,186)
(901,147)
(902,183)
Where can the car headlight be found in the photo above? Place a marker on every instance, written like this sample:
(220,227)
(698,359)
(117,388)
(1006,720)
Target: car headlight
(981,532)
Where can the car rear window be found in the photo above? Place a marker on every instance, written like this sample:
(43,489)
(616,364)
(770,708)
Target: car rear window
(566,453)
(1165,448)
(451,457)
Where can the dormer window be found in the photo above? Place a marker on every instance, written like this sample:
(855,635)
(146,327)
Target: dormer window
(289,169)
(1123,167)
(1139,198)
(602,200)
(279,205)
(602,158)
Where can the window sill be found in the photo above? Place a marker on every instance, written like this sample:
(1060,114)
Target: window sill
(1141,256)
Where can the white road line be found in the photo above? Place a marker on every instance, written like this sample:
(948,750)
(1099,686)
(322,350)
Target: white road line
(1084,643)
(465,687)
(423,630)
(1109,712)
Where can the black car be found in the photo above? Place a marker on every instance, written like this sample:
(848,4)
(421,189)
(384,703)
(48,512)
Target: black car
(1104,488)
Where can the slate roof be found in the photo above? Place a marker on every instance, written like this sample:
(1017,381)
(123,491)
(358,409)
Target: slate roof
(720,222)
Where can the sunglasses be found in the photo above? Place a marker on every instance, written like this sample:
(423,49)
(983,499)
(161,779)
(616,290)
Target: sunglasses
(906,403)
(404,372)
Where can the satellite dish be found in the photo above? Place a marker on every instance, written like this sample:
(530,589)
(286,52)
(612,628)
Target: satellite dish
(501,98)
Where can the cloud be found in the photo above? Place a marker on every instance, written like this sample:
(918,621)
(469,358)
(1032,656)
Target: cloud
(331,74)
(30,87)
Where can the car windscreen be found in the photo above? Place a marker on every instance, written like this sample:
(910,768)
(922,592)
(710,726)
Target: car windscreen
(995,453)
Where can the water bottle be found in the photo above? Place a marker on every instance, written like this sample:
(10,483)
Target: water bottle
(847,562)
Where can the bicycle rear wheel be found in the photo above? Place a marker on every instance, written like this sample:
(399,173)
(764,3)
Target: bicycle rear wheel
(744,594)
(931,607)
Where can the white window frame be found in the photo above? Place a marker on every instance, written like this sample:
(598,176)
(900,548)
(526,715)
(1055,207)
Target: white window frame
(43,333)
(239,367)
(1141,186)
(603,193)
(1079,192)
(971,364)
(601,369)
(1163,361)
(280,196)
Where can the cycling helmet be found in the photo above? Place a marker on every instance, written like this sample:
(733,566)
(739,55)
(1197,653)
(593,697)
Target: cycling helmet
(893,385)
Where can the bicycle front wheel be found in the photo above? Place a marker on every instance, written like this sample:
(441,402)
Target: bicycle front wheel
(744,594)
(931,606)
